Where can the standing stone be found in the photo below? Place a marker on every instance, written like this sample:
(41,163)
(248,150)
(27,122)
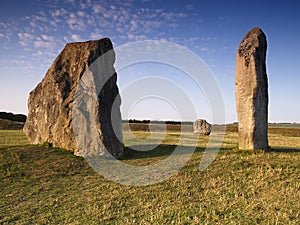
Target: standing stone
(201,126)
(251,89)
(71,83)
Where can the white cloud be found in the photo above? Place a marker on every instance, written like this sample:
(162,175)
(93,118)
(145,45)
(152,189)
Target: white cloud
(113,7)
(40,53)
(8,31)
(76,38)
(42,17)
(37,22)
(46,32)
(76,23)
(73,38)
(25,39)
(193,39)
(44,44)
(206,49)
(81,14)
(136,37)
(119,29)
(84,4)
(98,8)
(133,25)
(58,13)
(48,37)
(169,16)
(116,19)
(40,46)
(25,36)
(17,61)
(96,35)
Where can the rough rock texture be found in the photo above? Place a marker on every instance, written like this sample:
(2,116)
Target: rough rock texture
(78,86)
(251,87)
(201,126)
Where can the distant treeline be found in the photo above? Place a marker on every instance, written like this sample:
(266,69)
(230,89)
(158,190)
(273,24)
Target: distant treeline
(9,116)
(157,122)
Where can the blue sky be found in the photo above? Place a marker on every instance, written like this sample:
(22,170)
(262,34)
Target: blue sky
(32,33)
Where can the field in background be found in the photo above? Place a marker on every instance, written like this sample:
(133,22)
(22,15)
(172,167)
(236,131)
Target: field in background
(10,125)
(292,130)
(42,185)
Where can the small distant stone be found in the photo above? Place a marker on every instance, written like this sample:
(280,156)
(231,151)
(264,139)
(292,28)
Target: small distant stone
(201,126)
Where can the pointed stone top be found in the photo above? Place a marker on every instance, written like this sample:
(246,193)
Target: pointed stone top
(89,50)
(102,40)
(253,41)
(104,44)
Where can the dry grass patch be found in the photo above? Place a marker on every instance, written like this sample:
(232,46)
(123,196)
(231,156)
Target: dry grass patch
(42,185)
(12,138)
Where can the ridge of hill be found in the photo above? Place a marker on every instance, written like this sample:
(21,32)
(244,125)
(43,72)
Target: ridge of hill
(10,121)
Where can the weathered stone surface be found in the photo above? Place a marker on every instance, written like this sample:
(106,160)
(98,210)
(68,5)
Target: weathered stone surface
(251,87)
(201,126)
(51,105)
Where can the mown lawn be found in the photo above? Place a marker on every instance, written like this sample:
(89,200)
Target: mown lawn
(41,185)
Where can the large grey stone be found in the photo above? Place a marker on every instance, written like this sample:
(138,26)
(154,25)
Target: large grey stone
(252,91)
(201,126)
(78,86)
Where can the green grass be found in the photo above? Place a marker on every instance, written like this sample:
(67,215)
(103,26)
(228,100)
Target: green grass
(41,185)
(12,138)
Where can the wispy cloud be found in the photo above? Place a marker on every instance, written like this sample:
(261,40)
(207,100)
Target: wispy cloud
(44,44)
(8,31)
(25,39)
(76,37)
(42,41)
(96,35)
(47,37)
(112,19)
(17,61)
(76,22)
(45,33)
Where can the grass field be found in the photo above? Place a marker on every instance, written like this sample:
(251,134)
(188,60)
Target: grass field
(41,185)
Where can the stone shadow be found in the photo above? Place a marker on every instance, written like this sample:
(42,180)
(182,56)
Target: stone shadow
(162,150)
(284,150)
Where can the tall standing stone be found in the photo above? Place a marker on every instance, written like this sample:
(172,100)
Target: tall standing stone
(81,77)
(251,87)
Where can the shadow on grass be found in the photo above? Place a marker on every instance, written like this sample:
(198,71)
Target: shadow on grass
(287,150)
(162,150)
